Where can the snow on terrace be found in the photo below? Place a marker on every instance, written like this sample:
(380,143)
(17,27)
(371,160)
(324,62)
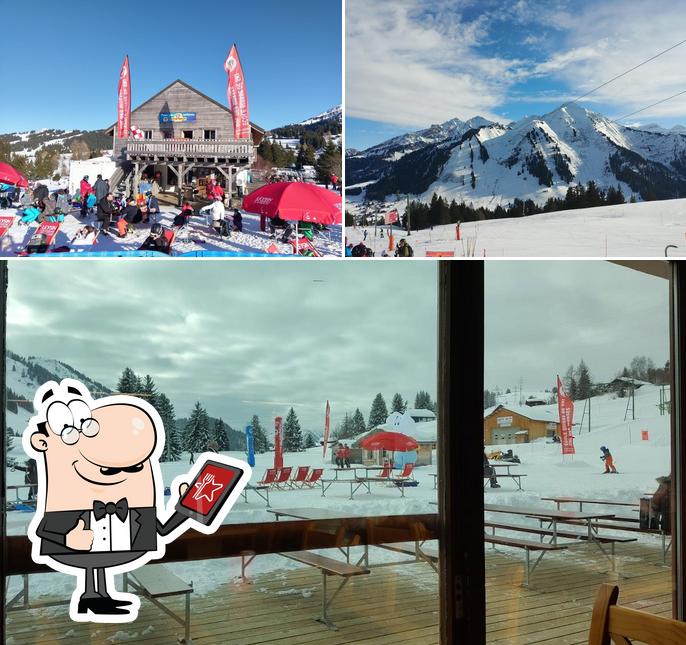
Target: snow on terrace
(199,239)
(639,462)
(643,229)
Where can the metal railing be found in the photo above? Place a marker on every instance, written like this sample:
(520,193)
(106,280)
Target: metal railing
(238,148)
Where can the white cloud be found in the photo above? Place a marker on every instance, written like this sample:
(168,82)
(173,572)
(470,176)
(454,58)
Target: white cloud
(415,62)
(411,63)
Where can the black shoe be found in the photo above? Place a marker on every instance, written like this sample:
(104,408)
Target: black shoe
(100,606)
(118,603)
(495,485)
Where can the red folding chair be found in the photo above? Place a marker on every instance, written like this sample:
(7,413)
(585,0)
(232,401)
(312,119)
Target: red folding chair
(282,479)
(300,477)
(269,477)
(406,473)
(315,476)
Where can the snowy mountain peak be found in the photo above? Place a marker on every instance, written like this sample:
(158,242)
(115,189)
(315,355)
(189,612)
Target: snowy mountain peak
(536,158)
(335,113)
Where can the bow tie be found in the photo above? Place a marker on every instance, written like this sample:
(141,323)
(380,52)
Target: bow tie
(121,509)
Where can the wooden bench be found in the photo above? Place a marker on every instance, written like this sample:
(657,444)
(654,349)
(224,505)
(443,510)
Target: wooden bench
(517,479)
(612,623)
(422,552)
(155,581)
(528,546)
(573,535)
(618,524)
(328,567)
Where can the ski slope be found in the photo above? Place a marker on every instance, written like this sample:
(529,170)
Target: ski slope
(643,229)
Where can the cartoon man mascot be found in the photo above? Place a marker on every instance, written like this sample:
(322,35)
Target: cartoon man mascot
(100,508)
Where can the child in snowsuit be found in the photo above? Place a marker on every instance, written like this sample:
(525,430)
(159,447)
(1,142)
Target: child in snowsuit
(346,455)
(609,461)
(339,456)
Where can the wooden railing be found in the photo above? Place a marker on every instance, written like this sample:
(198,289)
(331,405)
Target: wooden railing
(239,148)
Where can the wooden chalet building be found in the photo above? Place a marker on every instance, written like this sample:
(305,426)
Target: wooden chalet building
(509,424)
(186,135)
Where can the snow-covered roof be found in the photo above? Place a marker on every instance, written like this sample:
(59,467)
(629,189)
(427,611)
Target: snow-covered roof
(420,413)
(629,381)
(422,432)
(548,413)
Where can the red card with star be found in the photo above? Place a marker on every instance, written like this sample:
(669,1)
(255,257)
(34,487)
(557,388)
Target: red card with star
(208,491)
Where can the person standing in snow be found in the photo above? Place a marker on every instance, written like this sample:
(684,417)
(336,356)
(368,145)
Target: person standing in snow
(30,477)
(403,250)
(489,472)
(100,188)
(346,455)
(86,189)
(609,461)
(105,210)
(339,455)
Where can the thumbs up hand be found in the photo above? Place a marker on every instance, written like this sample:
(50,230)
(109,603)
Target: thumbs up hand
(79,538)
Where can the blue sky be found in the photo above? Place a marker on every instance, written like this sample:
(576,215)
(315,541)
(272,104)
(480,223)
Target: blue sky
(441,59)
(66,57)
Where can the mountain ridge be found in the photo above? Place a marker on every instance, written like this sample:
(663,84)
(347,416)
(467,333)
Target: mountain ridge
(535,158)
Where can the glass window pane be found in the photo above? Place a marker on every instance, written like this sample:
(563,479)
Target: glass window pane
(589,499)
(217,347)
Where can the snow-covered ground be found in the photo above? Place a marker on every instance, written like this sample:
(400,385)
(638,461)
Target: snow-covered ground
(639,462)
(643,229)
(199,238)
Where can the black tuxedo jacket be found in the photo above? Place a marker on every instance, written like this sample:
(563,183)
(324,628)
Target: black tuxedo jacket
(55,525)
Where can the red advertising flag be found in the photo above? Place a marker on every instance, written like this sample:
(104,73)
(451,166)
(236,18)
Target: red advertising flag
(237,95)
(391,217)
(327,427)
(565,406)
(278,444)
(124,101)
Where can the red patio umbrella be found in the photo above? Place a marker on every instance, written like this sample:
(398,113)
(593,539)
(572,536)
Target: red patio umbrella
(295,201)
(10,175)
(392,441)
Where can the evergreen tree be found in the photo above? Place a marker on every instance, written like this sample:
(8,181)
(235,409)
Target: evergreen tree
(344,428)
(260,442)
(279,156)
(378,413)
(583,385)
(220,435)
(172,444)
(196,434)
(422,401)
(357,425)
(570,383)
(489,399)
(310,441)
(397,404)
(149,391)
(292,435)
(128,382)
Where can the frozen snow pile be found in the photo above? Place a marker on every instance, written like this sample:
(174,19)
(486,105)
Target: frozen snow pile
(199,237)
(643,229)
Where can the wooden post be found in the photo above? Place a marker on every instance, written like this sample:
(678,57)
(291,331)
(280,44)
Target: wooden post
(180,175)
(677,363)
(462,578)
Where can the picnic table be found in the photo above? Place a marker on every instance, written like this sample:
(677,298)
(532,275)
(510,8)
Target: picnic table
(553,517)
(516,477)
(367,470)
(344,470)
(584,500)
(302,513)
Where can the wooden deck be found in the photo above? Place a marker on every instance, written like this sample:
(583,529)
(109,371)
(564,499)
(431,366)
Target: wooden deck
(393,605)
